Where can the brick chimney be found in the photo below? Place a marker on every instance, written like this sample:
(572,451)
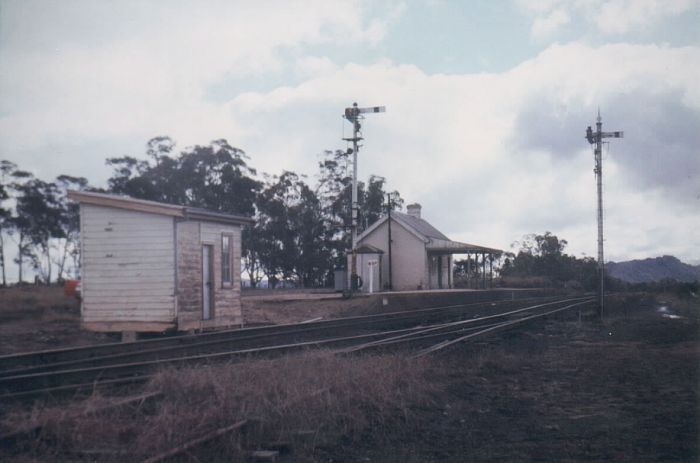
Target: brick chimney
(413,210)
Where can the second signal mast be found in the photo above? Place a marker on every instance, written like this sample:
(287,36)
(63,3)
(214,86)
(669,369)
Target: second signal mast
(596,138)
(354,115)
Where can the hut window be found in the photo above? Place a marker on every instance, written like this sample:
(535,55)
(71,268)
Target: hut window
(226,260)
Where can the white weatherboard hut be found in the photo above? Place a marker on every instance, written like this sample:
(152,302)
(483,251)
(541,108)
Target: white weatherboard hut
(150,266)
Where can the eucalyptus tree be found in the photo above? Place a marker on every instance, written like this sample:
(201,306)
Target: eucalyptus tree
(38,219)
(68,246)
(7,168)
(334,190)
(277,247)
(542,255)
(300,231)
(15,222)
(306,221)
(214,176)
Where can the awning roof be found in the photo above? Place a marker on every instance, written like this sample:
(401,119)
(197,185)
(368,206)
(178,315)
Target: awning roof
(368,249)
(455,247)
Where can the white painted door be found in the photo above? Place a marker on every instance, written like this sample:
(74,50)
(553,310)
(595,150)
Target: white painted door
(207,282)
(372,264)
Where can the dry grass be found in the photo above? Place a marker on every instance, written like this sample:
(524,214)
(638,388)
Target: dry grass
(560,390)
(31,300)
(288,310)
(303,400)
(41,317)
(525,282)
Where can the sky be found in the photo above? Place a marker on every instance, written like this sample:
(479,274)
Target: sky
(487,102)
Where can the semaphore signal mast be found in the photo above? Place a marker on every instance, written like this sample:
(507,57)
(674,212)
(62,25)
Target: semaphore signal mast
(596,138)
(354,115)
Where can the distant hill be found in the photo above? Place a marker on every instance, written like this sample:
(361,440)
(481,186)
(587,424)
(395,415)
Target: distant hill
(653,269)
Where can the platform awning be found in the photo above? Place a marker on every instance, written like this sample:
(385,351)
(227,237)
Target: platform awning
(455,247)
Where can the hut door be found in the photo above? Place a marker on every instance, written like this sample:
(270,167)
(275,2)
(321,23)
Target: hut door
(207,282)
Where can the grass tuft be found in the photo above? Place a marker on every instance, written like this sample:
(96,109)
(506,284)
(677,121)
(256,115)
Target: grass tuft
(306,401)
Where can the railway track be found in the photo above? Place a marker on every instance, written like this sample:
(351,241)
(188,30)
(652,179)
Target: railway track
(455,332)
(50,372)
(154,349)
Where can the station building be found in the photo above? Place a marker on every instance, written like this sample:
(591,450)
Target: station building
(404,252)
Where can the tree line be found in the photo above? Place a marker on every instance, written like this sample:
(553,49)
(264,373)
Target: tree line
(301,230)
(39,222)
(302,225)
(542,257)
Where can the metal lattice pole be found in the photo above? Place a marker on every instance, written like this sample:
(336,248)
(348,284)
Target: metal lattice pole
(596,138)
(599,185)
(355,212)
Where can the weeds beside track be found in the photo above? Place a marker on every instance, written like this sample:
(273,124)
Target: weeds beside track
(409,327)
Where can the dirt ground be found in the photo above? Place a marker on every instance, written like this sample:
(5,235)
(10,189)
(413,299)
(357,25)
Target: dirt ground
(42,317)
(36,318)
(559,390)
(625,390)
(293,306)
(261,307)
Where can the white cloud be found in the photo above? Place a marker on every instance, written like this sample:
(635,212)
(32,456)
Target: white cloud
(609,17)
(621,16)
(544,26)
(154,79)
(313,66)
(537,6)
(450,142)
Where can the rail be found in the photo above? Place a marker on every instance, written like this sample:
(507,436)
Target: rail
(37,383)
